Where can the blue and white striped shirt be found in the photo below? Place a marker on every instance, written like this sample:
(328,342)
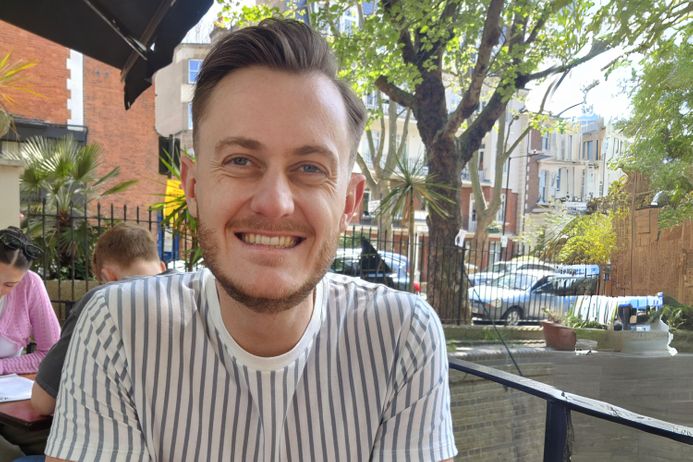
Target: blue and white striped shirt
(153,374)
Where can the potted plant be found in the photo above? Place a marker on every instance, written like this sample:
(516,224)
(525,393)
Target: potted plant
(557,335)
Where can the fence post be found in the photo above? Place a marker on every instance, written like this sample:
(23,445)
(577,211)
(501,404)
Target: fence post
(558,433)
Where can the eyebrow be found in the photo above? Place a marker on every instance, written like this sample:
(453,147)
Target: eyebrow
(255,145)
(241,141)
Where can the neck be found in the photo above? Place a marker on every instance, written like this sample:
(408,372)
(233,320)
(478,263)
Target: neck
(265,334)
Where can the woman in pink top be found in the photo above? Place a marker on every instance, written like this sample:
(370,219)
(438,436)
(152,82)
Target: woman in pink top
(25,309)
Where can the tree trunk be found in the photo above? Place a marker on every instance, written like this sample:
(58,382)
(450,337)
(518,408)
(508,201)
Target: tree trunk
(447,288)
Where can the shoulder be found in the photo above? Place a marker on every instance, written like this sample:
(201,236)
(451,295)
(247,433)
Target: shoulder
(31,280)
(30,287)
(407,311)
(148,296)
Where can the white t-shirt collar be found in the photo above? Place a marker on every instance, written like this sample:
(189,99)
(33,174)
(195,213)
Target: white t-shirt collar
(259,362)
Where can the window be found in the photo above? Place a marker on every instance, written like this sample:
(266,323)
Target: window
(347,23)
(193,69)
(500,215)
(371,100)
(472,215)
(482,149)
(169,153)
(542,186)
(588,150)
(190,117)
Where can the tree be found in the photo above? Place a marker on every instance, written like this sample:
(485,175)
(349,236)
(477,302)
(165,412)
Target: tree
(661,127)
(59,177)
(588,238)
(407,185)
(413,50)
(379,162)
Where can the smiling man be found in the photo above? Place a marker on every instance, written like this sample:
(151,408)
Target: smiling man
(263,356)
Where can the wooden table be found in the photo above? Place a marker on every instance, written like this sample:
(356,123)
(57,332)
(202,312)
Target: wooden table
(22,414)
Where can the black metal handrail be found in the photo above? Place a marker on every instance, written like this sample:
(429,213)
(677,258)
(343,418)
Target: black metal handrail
(560,403)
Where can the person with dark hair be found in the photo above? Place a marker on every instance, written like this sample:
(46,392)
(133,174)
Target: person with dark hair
(26,312)
(123,251)
(264,355)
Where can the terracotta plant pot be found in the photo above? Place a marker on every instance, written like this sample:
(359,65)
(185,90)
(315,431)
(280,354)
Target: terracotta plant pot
(559,337)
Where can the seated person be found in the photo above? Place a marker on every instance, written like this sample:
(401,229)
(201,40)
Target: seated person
(26,312)
(123,251)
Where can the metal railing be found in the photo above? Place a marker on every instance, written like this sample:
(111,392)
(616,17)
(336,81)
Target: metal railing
(558,433)
(68,238)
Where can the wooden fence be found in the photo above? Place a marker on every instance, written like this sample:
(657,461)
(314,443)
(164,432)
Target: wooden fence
(649,259)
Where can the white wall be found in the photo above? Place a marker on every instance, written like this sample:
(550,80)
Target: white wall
(10,170)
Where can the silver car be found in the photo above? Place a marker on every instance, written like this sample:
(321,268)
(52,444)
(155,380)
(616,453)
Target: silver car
(526,295)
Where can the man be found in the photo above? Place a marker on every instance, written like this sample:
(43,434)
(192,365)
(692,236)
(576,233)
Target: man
(124,251)
(263,356)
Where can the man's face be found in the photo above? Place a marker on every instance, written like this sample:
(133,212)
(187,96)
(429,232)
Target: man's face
(271,186)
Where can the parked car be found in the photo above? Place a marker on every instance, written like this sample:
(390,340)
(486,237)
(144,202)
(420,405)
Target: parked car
(525,295)
(380,266)
(501,268)
(180,265)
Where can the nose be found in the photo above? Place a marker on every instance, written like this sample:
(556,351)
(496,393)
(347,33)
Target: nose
(273,197)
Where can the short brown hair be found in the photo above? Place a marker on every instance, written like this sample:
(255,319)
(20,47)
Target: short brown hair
(279,44)
(122,245)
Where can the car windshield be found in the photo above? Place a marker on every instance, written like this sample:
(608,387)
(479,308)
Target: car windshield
(515,281)
(500,267)
(396,265)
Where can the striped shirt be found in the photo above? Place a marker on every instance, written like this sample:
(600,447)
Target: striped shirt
(153,374)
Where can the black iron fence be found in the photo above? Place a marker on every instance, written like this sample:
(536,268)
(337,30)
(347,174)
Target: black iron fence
(68,238)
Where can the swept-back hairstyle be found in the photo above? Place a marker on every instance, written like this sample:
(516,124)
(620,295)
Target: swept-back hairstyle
(122,245)
(278,44)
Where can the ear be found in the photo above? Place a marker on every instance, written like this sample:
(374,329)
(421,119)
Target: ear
(162,266)
(188,182)
(108,274)
(357,186)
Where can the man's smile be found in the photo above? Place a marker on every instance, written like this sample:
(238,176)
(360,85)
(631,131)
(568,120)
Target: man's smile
(279,242)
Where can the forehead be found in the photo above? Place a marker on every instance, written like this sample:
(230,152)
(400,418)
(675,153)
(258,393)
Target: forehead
(279,109)
(9,273)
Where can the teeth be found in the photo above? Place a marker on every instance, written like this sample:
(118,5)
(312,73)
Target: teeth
(281,242)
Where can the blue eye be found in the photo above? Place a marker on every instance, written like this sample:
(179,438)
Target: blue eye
(239,161)
(310,168)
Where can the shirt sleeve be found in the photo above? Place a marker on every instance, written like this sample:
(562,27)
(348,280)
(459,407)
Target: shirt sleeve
(45,328)
(417,424)
(48,375)
(95,417)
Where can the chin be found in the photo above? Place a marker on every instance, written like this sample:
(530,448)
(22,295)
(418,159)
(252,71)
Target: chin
(274,299)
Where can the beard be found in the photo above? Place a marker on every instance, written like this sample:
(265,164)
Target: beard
(266,305)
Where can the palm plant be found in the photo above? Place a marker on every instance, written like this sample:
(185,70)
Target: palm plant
(61,176)
(176,215)
(407,184)
(11,81)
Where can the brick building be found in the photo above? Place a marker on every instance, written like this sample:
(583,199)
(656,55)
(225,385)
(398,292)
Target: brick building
(82,97)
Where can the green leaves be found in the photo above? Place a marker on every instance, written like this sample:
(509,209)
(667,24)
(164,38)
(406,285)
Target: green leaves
(661,127)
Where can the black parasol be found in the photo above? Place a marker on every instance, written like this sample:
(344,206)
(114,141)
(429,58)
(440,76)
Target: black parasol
(136,36)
